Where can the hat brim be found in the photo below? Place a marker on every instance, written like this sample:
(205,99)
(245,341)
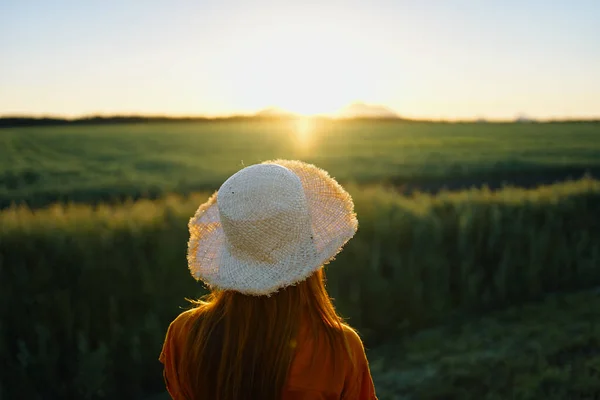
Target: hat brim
(333,223)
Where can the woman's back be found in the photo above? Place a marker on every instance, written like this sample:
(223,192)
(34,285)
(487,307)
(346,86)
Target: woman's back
(313,374)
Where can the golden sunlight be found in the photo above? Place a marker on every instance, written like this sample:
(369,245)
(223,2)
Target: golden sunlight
(313,73)
(304,131)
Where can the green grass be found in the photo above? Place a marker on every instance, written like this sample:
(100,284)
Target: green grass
(97,286)
(42,165)
(544,350)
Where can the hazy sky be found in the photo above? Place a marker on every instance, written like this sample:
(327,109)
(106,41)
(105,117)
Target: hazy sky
(425,58)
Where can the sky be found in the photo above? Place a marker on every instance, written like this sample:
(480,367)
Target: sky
(445,59)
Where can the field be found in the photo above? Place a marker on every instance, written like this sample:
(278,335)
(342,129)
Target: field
(42,165)
(479,293)
(543,350)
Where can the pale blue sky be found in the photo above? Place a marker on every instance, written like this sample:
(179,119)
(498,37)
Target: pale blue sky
(436,59)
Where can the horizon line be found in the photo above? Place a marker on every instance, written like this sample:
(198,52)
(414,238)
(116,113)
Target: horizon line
(284,115)
(378,111)
(365,111)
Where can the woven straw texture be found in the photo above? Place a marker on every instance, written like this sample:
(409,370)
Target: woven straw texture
(269,226)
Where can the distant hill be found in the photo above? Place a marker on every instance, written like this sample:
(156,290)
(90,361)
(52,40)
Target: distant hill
(362,110)
(524,119)
(274,112)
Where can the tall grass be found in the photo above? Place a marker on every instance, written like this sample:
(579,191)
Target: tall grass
(86,293)
(419,260)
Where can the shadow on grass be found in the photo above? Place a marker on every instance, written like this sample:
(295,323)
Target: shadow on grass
(527,176)
(520,174)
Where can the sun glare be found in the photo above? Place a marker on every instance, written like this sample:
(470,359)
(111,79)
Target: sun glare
(309,73)
(304,132)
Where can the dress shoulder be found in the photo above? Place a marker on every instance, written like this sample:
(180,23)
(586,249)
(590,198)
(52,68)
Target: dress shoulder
(354,339)
(176,333)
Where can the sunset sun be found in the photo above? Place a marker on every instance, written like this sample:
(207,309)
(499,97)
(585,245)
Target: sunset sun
(307,72)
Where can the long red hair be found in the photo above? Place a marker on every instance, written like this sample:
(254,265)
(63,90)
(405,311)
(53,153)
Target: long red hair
(242,346)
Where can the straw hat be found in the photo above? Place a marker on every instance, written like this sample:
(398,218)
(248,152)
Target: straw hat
(269,226)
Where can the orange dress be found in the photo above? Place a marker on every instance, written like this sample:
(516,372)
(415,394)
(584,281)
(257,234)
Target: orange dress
(305,381)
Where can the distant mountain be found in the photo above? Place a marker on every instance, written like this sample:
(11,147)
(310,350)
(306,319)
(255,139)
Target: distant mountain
(524,119)
(361,110)
(274,112)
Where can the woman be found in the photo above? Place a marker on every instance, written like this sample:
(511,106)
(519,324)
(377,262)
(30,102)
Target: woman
(268,329)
